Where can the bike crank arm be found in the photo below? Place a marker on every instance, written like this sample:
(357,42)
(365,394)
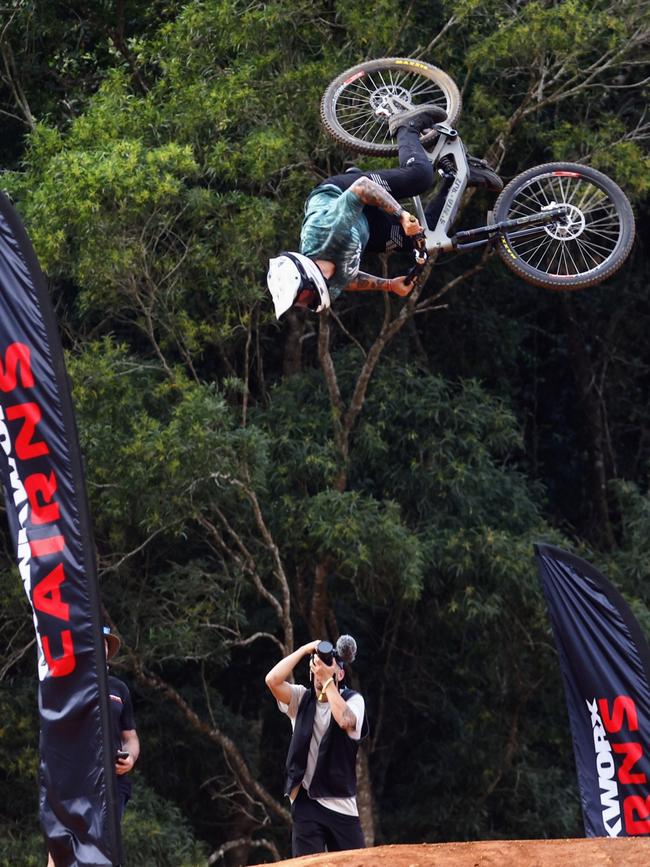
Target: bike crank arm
(471,238)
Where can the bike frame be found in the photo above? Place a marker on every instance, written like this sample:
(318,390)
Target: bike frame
(448,144)
(437,238)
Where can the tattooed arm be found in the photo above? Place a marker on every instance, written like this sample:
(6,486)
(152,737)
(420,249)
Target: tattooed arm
(366,282)
(340,710)
(370,193)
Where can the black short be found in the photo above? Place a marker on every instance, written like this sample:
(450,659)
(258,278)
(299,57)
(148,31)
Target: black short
(413,177)
(317,829)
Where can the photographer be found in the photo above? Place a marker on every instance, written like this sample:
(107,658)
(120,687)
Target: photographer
(328,722)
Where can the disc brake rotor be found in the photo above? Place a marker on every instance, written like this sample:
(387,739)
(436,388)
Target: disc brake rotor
(389,98)
(572,227)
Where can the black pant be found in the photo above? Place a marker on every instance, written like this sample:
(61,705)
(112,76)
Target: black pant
(123,786)
(413,177)
(317,829)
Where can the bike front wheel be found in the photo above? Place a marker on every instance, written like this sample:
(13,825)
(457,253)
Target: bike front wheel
(584,249)
(357,104)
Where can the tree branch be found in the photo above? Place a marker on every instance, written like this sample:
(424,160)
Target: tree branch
(15,657)
(268,540)
(12,80)
(213,733)
(244,841)
(246,562)
(122,47)
(431,302)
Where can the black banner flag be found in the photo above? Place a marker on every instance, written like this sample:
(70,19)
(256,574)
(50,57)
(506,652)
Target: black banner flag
(605,662)
(42,477)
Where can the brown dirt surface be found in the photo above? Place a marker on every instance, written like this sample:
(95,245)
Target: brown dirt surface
(592,852)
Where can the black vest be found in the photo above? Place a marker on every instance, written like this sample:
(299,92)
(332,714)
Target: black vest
(335,775)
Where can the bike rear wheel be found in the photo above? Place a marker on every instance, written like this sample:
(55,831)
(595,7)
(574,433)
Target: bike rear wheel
(349,105)
(590,246)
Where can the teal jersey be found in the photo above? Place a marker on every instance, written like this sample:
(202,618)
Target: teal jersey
(335,229)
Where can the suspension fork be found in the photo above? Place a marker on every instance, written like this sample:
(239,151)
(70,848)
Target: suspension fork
(516,228)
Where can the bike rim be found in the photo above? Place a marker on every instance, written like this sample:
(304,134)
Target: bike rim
(584,243)
(359,97)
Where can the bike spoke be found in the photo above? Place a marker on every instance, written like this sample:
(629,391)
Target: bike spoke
(543,196)
(588,255)
(568,254)
(357,120)
(602,239)
(598,249)
(581,253)
(383,82)
(557,183)
(547,251)
(592,200)
(523,208)
(353,110)
(357,101)
(604,234)
(363,85)
(365,130)
(587,245)
(380,133)
(527,204)
(527,253)
(535,256)
(425,87)
(361,122)
(608,222)
(551,252)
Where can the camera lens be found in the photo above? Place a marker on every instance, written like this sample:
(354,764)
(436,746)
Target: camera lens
(325,651)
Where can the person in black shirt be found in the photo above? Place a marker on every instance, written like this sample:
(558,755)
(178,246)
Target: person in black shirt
(125,736)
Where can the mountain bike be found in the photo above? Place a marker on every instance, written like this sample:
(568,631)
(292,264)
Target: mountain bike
(559,225)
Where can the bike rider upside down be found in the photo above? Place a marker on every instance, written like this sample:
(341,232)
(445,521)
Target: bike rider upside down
(356,211)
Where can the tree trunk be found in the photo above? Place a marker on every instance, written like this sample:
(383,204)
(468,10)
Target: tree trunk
(365,798)
(365,801)
(319,601)
(601,530)
(240,827)
(295,328)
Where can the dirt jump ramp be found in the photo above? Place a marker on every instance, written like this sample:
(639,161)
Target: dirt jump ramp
(592,852)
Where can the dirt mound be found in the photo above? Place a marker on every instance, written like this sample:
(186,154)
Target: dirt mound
(594,852)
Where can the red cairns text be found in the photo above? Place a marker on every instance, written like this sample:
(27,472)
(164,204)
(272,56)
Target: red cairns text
(39,489)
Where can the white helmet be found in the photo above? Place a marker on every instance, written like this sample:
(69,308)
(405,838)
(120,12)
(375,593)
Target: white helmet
(292,274)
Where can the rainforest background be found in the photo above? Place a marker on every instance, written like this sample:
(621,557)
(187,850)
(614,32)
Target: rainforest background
(383,471)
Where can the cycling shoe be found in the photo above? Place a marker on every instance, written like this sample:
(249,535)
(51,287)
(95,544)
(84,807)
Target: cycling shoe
(419,118)
(481,174)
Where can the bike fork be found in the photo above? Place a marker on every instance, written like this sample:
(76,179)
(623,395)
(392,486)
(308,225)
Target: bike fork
(515,228)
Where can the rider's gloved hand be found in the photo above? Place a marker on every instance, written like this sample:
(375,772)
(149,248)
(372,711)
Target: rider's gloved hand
(399,286)
(409,223)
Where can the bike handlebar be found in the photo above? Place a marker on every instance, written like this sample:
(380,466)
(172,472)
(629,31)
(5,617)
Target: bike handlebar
(421,257)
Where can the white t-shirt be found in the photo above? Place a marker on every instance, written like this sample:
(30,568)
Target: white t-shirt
(322,718)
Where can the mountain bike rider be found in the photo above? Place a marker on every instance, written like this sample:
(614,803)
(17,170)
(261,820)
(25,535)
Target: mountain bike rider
(356,211)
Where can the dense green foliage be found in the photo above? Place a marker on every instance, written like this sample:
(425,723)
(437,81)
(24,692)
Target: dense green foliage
(159,152)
